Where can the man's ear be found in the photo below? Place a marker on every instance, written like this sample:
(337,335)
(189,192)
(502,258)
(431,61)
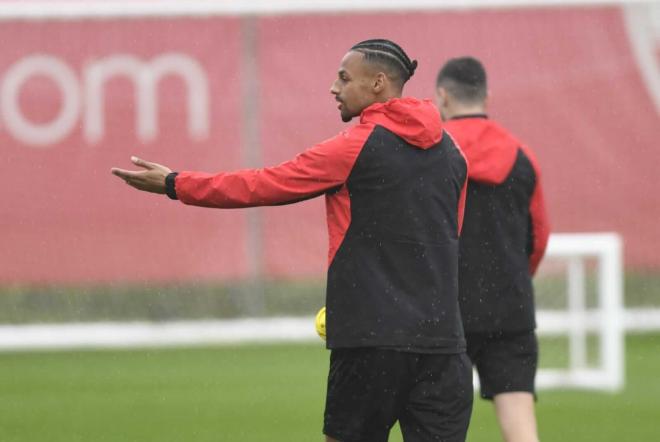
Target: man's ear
(380,81)
(441,96)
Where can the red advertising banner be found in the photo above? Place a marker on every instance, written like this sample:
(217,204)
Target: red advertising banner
(579,85)
(78,97)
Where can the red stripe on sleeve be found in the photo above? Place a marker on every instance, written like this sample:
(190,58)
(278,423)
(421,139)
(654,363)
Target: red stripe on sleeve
(540,227)
(463,195)
(461,206)
(539,214)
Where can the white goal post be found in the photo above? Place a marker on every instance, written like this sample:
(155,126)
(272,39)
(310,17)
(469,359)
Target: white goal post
(606,320)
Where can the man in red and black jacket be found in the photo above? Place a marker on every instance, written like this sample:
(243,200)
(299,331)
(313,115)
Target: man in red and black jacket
(394,185)
(504,237)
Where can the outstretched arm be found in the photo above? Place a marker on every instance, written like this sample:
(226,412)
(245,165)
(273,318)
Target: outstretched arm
(317,170)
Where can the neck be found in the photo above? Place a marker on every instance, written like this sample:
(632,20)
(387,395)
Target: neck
(460,110)
(386,96)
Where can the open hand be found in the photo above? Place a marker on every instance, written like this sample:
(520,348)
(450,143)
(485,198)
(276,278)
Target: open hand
(152,179)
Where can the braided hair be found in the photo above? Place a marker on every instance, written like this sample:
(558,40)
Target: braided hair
(390,56)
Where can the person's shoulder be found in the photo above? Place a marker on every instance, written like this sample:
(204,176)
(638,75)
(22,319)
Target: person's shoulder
(352,138)
(506,134)
(520,146)
(356,133)
(531,156)
(513,140)
(496,130)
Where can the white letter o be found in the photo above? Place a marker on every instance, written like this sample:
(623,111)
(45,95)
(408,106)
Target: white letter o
(67,82)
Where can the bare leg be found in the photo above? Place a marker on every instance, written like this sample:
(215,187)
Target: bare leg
(329,439)
(515,414)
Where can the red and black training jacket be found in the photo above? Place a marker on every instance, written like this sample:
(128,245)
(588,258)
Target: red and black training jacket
(395,191)
(505,231)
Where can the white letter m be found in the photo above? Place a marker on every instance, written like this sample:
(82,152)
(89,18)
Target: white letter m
(145,76)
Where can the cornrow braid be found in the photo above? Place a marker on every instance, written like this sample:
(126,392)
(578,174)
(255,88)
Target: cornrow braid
(389,52)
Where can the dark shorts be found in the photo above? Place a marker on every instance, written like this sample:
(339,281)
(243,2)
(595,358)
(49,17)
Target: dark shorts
(369,389)
(505,361)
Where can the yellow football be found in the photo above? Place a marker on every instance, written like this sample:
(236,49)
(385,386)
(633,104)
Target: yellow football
(320,323)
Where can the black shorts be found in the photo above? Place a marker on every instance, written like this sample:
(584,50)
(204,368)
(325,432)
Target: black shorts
(369,389)
(505,361)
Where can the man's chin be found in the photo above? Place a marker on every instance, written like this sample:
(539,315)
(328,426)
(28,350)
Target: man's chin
(346,118)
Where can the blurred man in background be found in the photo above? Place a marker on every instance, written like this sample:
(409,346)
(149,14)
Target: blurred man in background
(394,185)
(504,237)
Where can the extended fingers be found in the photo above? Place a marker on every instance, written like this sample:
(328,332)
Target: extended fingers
(142,163)
(124,174)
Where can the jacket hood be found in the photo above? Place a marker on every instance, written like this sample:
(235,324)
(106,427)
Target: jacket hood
(490,150)
(416,121)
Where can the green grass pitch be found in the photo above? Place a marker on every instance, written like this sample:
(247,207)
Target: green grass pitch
(262,393)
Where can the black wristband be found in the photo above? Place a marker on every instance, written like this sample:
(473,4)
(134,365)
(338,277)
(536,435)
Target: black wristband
(170,189)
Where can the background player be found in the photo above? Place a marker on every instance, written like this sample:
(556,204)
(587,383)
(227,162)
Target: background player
(503,240)
(394,185)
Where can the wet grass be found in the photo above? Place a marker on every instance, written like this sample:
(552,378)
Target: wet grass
(261,393)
